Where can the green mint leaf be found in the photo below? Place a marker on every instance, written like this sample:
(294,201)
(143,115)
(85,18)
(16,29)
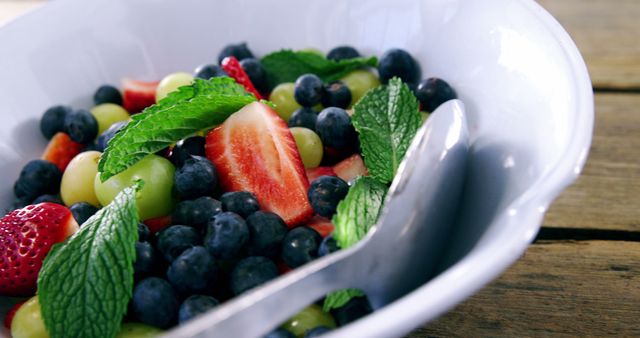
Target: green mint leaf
(386,119)
(339,298)
(287,65)
(85,283)
(355,215)
(202,105)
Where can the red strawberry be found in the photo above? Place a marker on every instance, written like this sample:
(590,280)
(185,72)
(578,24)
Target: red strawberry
(253,150)
(158,223)
(322,225)
(283,268)
(61,150)
(26,236)
(232,66)
(12,312)
(138,95)
(332,156)
(350,168)
(316,172)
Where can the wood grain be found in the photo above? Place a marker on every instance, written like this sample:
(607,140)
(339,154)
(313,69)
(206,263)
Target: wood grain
(607,34)
(607,194)
(559,289)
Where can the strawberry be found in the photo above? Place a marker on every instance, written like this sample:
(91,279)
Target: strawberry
(61,150)
(322,225)
(253,150)
(10,314)
(316,172)
(26,236)
(350,168)
(232,66)
(158,223)
(138,95)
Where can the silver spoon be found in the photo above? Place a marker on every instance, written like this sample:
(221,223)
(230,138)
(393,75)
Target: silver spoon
(398,254)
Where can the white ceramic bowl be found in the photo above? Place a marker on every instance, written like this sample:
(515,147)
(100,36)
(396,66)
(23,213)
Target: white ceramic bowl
(526,88)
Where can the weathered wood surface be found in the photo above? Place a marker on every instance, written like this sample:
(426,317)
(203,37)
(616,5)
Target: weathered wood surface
(558,289)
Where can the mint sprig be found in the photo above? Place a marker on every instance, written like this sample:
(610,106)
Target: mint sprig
(287,65)
(202,105)
(386,119)
(85,283)
(355,215)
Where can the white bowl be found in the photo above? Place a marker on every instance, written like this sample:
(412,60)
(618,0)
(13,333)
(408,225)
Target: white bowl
(526,88)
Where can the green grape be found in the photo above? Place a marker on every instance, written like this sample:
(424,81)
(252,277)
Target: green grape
(282,97)
(424,115)
(359,82)
(309,146)
(77,180)
(138,330)
(27,322)
(172,82)
(307,319)
(155,198)
(107,114)
(313,51)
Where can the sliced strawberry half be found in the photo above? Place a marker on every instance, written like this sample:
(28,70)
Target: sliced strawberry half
(232,66)
(322,225)
(61,150)
(254,151)
(350,168)
(138,95)
(316,172)
(27,236)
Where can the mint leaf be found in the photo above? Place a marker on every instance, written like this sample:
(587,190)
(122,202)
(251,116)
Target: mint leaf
(386,119)
(355,215)
(287,65)
(202,105)
(86,282)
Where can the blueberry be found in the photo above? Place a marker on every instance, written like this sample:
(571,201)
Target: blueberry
(209,71)
(144,234)
(147,260)
(397,62)
(81,126)
(342,53)
(184,149)
(227,233)
(48,198)
(303,117)
(256,73)
(434,92)
(316,331)
(81,211)
(52,120)
(194,271)
(335,129)
(355,309)
(325,192)
(251,272)
(197,177)
(336,94)
(328,245)
(266,232)
(155,303)
(197,212)
(240,51)
(308,90)
(280,333)
(194,306)
(107,94)
(242,203)
(175,239)
(38,177)
(300,246)
(103,139)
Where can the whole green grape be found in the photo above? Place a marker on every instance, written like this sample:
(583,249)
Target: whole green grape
(359,82)
(309,146)
(282,97)
(307,319)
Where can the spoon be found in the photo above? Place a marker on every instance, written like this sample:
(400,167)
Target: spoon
(398,254)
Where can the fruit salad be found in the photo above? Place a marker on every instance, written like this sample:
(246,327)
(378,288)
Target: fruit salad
(168,198)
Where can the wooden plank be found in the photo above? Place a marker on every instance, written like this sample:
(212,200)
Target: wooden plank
(559,289)
(607,194)
(607,33)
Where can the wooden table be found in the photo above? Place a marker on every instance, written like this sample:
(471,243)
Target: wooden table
(582,275)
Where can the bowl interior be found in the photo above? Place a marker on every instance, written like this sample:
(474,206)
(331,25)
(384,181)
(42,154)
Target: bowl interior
(517,72)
